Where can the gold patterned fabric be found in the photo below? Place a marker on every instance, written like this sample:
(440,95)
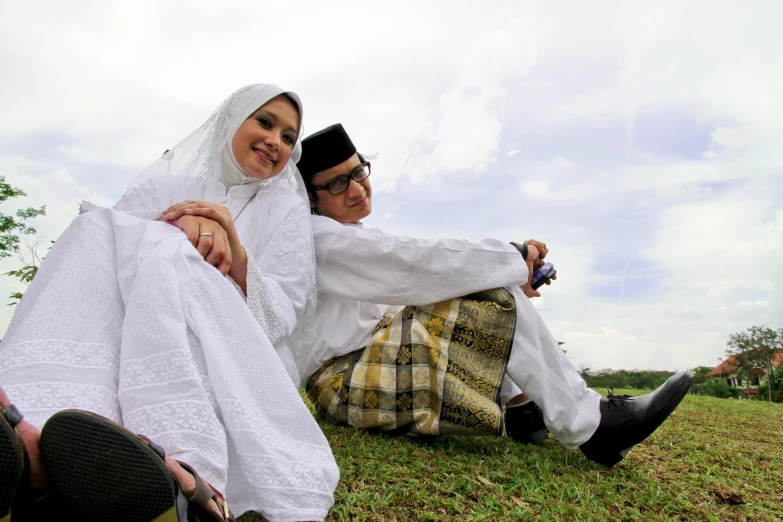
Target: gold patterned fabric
(429,370)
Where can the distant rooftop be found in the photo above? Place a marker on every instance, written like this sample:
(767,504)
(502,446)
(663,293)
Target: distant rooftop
(729,366)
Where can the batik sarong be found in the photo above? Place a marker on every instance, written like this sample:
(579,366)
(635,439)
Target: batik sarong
(429,370)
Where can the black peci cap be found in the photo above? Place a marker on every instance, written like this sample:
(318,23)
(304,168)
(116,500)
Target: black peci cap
(325,149)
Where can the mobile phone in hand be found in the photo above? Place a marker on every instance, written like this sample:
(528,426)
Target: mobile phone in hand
(543,274)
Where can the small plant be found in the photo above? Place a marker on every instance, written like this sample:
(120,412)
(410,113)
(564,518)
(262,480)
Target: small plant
(11,227)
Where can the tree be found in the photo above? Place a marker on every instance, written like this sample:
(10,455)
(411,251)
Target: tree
(717,388)
(11,228)
(644,380)
(700,374)
(30,263)
(754,350)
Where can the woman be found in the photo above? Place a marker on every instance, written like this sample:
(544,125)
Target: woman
(127,320)
(468,341)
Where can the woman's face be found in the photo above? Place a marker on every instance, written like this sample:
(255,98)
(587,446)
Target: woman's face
(350,206)
(263,143)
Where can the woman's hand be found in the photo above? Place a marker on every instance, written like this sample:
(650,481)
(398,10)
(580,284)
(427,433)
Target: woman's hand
(221,216)
(207,209)
(209,238)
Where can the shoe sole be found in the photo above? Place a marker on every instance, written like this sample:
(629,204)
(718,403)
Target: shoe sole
(536,437)
(104,472)
(680,390)
(539,436)
(11,467)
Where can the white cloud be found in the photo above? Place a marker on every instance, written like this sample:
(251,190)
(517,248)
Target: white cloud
(611,344)
(642,134)
(72,152)
(535,189)
(61,176)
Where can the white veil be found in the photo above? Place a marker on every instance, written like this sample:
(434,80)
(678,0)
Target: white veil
(192,162)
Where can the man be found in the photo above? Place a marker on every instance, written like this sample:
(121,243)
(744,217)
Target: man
(465,341)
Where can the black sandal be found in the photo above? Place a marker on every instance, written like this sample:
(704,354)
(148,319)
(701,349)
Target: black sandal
(105,472)
(19,502)
(14,469)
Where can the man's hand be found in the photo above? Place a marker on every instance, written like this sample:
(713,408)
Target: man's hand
(533,257)
(542,250)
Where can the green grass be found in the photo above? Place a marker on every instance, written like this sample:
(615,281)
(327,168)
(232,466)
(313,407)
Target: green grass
(714,459)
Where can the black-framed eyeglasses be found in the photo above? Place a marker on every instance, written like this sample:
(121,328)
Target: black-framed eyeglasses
(341,183)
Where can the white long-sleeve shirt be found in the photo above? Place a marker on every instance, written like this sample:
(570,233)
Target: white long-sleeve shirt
(360,272)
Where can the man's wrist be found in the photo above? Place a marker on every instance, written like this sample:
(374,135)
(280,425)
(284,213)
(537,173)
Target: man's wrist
(522,249)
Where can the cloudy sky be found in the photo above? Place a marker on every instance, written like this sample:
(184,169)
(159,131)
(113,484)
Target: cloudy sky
(640,140)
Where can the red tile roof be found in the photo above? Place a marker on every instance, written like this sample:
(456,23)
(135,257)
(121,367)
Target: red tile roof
(728,365)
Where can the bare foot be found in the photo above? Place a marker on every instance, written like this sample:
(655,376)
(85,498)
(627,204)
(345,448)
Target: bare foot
(31,438)
(188,483)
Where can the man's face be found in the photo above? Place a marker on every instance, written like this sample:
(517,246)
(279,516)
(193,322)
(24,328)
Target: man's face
(350,206)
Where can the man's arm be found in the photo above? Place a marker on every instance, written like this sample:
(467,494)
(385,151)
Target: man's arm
(368,265)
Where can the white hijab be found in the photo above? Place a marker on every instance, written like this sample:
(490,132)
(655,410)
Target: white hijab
(206,154)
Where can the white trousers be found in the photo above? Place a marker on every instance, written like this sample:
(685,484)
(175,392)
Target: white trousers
(538,366)
(125,319)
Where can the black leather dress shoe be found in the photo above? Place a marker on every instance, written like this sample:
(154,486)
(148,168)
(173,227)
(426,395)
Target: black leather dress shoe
(525,424)
(627,421)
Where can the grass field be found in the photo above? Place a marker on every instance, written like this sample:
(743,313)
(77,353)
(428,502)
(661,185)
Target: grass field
(714,459)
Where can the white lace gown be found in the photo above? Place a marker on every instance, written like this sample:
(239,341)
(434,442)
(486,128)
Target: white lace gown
(126,319)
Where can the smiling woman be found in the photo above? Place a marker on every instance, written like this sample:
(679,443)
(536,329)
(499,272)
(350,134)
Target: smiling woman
(263,143)
(132,321)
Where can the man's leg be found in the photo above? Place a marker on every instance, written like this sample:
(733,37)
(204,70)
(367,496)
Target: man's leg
(604,429)
(523,419)
(539,367)
(510,394)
